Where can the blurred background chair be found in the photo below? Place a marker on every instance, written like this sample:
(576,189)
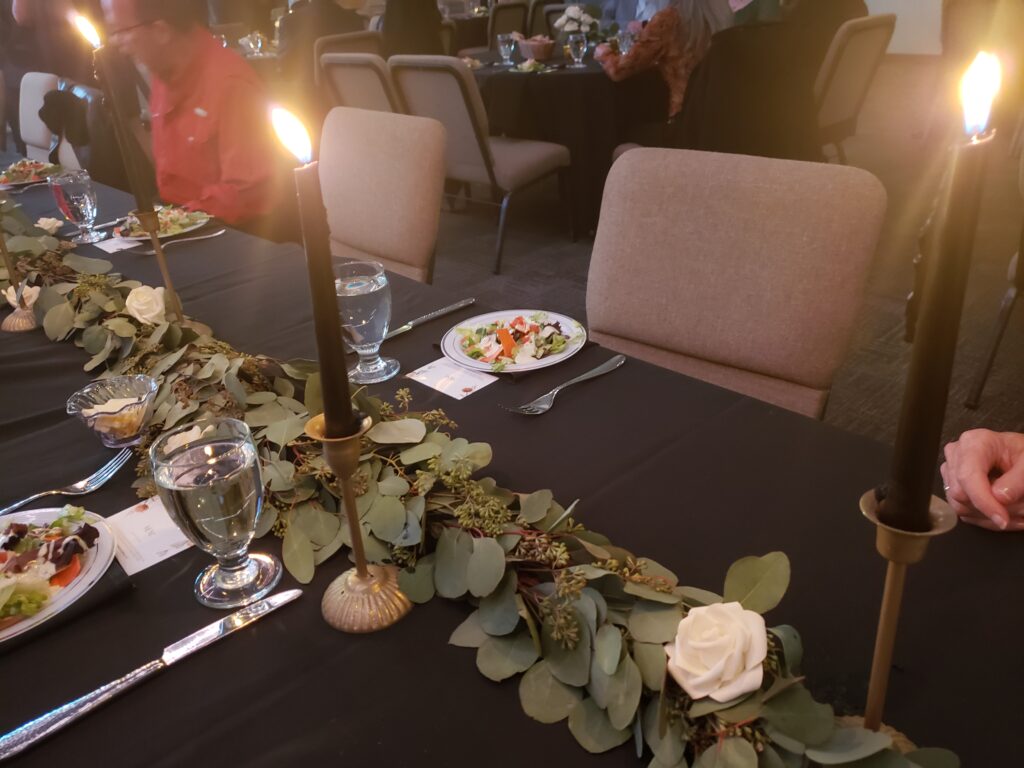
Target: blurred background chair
(846,75)
(360,80)
(552,12)
(349,42)
(382,177)
(448,36)
(505,18)
(443,88)
(753,287)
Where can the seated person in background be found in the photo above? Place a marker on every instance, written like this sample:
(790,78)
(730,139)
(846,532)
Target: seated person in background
(619,12)
(983,476)
(212,141)
(673,41)
(300,28)
(412,27)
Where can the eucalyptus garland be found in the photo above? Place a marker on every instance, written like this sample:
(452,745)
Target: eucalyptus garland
(585,622)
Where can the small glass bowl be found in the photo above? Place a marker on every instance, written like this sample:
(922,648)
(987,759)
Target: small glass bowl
(124,423)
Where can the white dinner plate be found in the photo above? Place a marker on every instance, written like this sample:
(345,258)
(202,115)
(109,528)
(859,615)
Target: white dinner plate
(95,562)
(201,223)
(452,349)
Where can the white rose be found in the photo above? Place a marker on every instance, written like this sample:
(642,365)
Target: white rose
(183,438)
(587,19)
(29,295)
(573,11)
(49,226)
(718,652)
(571,26)
(146,304)
(560,22)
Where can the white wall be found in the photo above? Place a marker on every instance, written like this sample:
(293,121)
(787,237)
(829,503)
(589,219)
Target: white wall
(918,24)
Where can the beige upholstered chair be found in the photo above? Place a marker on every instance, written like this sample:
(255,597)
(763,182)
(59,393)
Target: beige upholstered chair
(37,137)
(382,177)
(447,36)
(747,272)
(846,75)
(359,80)
(349,42)
(504,19)
(442,87)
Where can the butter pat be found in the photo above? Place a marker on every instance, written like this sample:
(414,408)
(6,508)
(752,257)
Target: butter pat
(105,417)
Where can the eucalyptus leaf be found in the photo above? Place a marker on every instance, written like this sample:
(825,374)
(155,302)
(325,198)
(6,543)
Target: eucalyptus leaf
(544,697)
(668,749)
(501,657)
(499,613)
(284,387)
(179,411)
(95,338)
(758,583)
(419,453)
(659,571)
(386,518)
(795,713)
(650,593)
(932,757)
(607,648)
(592,729)
(707,706)
(25,244)
(393,486)
(418,582)
(769,758)
(282,432)
(59,321)
(123,328)
(729,753)
(486,567)
(398,432)
(533,507)
(849,744)
(297,553)
(234,387)
(266,414)
(313,396)
(747,710)
(654,622)
(260,398)
(266,520)
(469,634)
(651,659)
(85,265)
(454,548)
(792,647)
(624,694)
(412,533)
(695,597)
(320,526)
(328,550)
(570,665)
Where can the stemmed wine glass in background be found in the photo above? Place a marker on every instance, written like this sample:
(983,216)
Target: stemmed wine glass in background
(506,45)
(364,307)
(208,476)
(577,49)
(76,199)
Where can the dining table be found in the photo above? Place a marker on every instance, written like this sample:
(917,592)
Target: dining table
(580,108)
(690,474)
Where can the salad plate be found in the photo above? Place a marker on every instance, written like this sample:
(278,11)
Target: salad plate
(93,562)
(513,341)
(174,221)
(26,172)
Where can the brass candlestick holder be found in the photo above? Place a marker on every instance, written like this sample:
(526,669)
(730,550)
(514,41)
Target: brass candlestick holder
(22,318)
(901,549)
(149,221)
(365,598)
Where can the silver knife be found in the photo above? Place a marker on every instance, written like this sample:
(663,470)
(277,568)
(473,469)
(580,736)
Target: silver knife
(430,316)
(28,734)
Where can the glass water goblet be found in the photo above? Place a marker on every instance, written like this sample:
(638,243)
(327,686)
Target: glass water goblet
(208,477)
(625,42)
(577,49)
(76,199)
(506,45)
(364,308)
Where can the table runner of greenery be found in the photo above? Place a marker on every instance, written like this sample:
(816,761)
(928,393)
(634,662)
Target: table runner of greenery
(585,621)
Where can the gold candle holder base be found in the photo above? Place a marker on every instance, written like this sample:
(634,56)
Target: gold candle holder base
(21,319)
(901,549)
(365,598)
(149,221)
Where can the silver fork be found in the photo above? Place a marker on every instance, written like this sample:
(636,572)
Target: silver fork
(168,243)
(543,403)
(92,483)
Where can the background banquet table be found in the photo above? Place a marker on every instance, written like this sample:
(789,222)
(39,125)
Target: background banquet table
(689,474)
(580,108)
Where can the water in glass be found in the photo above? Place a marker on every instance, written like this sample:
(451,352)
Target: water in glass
(364,308)
(76,199)
(577,49)
(506,45)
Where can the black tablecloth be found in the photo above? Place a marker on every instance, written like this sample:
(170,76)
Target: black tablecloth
(580,108)
(672,468)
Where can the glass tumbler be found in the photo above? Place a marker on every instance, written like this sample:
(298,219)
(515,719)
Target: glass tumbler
(208,477)
(364,308)
(76,199)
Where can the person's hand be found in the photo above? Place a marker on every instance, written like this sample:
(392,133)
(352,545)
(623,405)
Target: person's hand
(984,478)
(602,51)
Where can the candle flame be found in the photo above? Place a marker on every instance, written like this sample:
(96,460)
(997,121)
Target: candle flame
(292,133)
(86,29)
(978,89)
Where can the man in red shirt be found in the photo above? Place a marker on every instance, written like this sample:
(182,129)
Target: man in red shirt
(212,142)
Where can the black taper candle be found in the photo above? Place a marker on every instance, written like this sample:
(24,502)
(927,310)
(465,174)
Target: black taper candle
(919,434)
(338,416)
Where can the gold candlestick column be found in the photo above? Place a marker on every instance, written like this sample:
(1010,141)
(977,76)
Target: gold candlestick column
(901,549)
(150,222)
(22,318)
(365,598)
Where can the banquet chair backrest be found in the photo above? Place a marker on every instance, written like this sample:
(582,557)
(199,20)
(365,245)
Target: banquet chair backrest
(447,36)
(538,21)
(37,137)
(395,218)
(551,14)
(847,71)
(360,80)
(349,42)
(505,19)
(443,88)
(744,271)
(376,23)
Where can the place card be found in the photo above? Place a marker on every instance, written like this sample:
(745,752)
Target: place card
(145,535)
(115,244)
(450,379)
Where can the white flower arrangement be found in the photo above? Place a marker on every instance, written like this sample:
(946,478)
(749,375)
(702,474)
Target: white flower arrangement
(576,19)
